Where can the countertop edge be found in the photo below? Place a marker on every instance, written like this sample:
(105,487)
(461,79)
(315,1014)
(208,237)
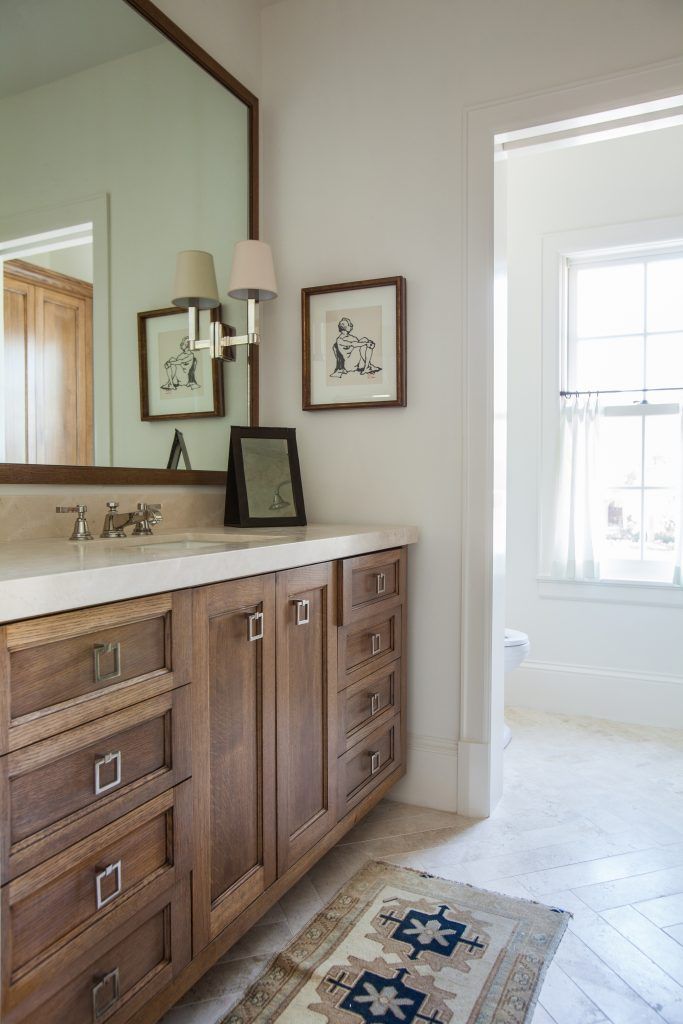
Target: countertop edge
(51,593)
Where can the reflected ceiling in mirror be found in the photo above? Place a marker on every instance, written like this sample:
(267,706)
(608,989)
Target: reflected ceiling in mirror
(119,151)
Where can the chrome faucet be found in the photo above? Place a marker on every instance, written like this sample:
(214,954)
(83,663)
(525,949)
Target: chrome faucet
(144,517)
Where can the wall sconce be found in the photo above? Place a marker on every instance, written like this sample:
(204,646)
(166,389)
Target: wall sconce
(252,279)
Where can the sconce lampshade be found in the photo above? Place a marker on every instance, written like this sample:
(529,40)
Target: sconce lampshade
(195,280)
(253,274)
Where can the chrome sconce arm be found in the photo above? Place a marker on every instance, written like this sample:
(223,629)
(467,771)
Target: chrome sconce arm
(252,280)
(222,336)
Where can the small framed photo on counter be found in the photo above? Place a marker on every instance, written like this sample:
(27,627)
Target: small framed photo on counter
(264,480)
(354,344)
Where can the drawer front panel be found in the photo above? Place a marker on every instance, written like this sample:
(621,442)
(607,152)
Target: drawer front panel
(61,671)
(371,580)
(369,645)
(56,790)
(64,788)
(44,676)
(368,703)
(85,884)
(368,762)
(113,981)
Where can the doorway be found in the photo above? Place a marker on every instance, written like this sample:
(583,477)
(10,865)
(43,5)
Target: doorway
(484,414)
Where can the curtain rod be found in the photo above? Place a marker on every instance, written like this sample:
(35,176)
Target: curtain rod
(616,391)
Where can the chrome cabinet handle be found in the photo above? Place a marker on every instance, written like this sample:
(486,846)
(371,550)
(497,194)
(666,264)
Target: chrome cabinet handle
(255,626)
(98,651)
(303,612)
(111,869)
(381,583)
(110,979)
(374,762)
(376,643)
(101,760)
(374,703)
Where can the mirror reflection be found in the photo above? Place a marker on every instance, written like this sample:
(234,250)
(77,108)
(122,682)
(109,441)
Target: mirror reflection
(119,151)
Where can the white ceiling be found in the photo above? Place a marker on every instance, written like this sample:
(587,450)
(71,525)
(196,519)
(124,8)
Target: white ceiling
(63,37)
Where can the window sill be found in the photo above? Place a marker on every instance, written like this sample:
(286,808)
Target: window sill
(612,591)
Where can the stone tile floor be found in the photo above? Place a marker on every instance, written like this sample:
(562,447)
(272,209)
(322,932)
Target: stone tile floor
(591,821)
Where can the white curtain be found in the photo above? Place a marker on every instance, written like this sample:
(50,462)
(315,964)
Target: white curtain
(577,491)
(678,561)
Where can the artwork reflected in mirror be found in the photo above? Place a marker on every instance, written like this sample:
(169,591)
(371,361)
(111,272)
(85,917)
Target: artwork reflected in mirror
(264,480)
(148,155)
(176,382)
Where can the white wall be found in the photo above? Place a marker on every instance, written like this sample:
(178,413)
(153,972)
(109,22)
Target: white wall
(629,657)
(74,262)
(362,104)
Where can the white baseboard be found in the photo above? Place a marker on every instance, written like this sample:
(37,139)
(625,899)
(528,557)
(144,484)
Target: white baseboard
(432,776)
(634,697)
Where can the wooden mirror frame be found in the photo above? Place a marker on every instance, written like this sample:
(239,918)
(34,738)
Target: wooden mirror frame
(24,473)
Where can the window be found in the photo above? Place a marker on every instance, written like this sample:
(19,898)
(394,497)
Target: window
(624,338)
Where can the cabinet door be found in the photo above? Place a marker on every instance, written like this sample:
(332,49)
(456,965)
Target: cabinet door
(63,378)
(233,750)
(306,709)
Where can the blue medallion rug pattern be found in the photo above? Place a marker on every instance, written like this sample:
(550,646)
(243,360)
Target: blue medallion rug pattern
(399,947)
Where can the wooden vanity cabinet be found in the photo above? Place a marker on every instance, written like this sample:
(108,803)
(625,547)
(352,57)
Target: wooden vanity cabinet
(171,765)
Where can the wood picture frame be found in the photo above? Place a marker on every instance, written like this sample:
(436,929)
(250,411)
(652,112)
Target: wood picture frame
(150,405)
(343,366)
(263,462)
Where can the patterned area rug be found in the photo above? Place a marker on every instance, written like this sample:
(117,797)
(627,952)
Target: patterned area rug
(396,946)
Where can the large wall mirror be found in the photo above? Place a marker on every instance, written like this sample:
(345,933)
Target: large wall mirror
(123,144)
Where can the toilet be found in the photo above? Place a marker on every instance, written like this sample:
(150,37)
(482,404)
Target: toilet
(516,651)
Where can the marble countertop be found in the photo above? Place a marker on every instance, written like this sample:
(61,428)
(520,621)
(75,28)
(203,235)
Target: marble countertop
(45,576)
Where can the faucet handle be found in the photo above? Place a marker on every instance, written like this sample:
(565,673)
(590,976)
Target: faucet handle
(80,530)
(112,505)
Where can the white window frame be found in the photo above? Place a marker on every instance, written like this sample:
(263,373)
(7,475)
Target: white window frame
(613,243)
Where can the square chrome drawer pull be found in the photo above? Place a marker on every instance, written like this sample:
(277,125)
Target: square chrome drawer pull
(111,869)
(376,643)
(101,760)
(374,762)
(303,612)
(381,583)
(255,631)
(110,980)
(374,703)
(98,651)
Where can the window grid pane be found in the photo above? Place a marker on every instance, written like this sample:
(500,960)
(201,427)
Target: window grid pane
(641,455)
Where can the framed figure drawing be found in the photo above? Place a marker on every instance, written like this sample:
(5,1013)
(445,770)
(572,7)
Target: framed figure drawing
(175,382)
(354,344)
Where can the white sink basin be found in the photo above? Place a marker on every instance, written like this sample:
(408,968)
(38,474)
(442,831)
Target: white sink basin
(177,543)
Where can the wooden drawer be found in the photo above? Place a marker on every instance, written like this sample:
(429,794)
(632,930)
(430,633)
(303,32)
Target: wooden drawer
(371,580)
(60,671)
(55,792)
(369,645)
(367,704)
(114,979)
(367,763)
(92,887)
